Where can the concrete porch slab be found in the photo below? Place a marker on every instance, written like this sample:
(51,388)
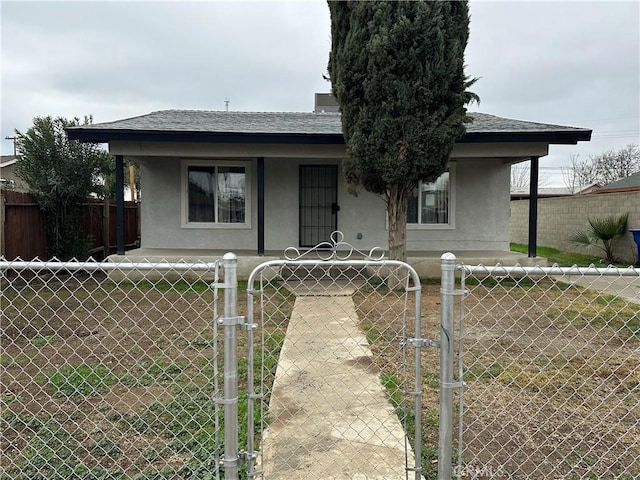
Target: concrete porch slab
(426,263)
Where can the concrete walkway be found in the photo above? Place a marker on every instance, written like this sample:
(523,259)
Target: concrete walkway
(628,288)
(329,414)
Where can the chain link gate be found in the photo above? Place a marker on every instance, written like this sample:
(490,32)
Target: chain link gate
(333,368)
(550,359)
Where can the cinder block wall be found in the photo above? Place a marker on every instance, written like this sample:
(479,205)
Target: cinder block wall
(559,217)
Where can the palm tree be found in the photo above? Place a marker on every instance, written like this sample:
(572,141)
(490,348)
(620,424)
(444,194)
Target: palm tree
(602,230)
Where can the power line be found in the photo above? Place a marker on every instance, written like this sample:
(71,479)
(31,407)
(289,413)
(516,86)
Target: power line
(595,136)
(618,131)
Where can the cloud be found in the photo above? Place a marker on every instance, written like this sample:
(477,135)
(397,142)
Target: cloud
(575,63)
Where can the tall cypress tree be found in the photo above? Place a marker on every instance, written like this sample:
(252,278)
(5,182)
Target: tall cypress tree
(397,72)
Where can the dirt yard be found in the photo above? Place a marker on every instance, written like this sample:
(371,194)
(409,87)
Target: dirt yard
(552,381)
(105,380)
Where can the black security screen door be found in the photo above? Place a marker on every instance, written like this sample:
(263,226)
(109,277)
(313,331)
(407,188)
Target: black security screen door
(318,203)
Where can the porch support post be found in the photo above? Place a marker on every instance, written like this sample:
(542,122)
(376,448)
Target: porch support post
(261,206)
(533,208)
(119,204)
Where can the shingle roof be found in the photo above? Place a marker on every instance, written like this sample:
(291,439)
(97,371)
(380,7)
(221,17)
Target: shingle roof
(200,125)
(631,181)
(229,122)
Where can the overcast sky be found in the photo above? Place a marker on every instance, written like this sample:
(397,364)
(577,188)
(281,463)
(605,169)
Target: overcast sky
(571,63)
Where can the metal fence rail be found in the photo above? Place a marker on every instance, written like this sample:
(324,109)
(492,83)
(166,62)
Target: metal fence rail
(108,370)
(550,359)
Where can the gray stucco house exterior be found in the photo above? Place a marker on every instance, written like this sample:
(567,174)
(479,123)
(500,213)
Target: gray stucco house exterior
(260,182)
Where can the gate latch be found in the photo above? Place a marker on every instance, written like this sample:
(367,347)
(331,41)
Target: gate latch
(244,457)
(420,342)
(233,321)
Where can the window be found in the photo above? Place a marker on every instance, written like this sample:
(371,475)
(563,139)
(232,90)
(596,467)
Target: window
(216,194)
(429,202)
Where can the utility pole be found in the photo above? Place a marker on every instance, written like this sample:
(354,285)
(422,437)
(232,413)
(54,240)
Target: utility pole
(226,104)
(13,139)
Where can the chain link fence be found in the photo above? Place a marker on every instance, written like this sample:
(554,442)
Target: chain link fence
(551,365)
(114,371)
(119,371)
(108,371)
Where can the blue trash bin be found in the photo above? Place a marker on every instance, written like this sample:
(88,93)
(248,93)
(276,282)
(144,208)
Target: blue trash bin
(636,237)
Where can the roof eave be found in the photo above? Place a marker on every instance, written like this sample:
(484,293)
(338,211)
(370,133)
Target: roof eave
(94,135)
(567,137)
(633,188)
(120,135)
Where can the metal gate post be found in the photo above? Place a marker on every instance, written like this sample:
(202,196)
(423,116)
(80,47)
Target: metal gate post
(230,321)
(445,434)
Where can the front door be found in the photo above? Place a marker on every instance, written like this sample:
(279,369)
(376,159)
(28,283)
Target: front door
(318,203)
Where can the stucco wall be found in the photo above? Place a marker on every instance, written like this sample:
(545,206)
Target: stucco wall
(362,214)
(481,211)
(480,207)
(559,217)
(9,173)
(161,212)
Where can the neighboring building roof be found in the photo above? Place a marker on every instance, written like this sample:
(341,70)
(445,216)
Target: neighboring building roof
(631,182)
(8,177)
(325,103)
(546,192)
(7,160)
(295,127)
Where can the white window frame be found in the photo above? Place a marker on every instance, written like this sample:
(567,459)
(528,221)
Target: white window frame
(452,206)
(186,163)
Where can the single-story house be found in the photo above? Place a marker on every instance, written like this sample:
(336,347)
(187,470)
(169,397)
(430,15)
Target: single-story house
(260,182)
(8,177)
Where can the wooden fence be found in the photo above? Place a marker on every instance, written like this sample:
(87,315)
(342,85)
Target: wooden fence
(22,232)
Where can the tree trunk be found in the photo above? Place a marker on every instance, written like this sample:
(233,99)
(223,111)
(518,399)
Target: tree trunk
(397,216)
